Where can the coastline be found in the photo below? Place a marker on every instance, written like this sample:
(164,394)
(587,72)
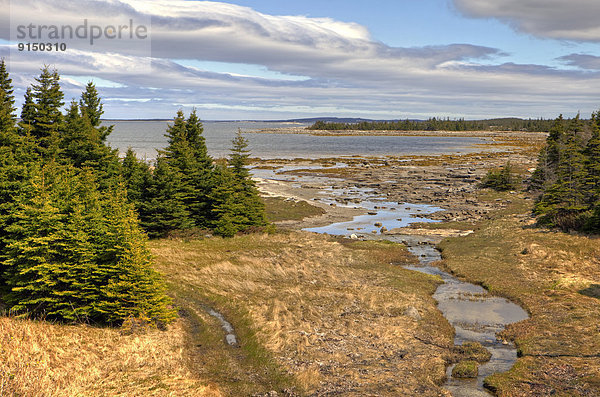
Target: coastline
(483,134)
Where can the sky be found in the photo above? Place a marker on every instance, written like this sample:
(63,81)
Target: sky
(276,59)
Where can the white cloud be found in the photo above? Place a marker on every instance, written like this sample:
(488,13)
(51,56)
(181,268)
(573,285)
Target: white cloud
(346,70)
(557,19)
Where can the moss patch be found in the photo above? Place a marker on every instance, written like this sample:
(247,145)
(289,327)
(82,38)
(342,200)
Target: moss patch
(282,209)
(472,351)
(466,369)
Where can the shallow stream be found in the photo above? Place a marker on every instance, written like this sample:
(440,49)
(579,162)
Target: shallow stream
(475,315)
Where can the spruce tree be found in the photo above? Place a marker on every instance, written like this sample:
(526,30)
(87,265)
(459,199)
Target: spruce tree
(82,146)
(563,203)
(238,160)
(163,209)
(592,163)
(70,249)
(48,102)
(27,113)
(227,208)
(132,287)
(8,132)
(188,155)
(547,168)
(237,205)
(76,255)
(92,108)
(137,177)
(7,102)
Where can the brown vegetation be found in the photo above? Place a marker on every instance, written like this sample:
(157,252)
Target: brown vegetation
(332,315)
(43,359)
(553,275)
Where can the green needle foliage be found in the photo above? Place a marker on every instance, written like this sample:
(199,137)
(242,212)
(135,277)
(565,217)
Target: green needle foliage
(70,245)
(501,179)
(163,209)
(188,156)
(236,203)
(568,176)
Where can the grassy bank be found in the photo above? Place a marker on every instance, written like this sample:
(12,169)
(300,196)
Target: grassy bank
(312,314)
(43,359)
(555,277)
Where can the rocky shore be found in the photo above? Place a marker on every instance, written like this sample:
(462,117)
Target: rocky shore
(451,182)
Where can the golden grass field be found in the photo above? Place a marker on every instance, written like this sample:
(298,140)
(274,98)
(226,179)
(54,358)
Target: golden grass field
(313,316)
(328,316)
(43,359)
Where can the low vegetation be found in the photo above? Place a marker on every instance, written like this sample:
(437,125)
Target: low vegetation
(501,179)
(472,351)
(553,276)
(466,369)
(311,313)
(285,209)
(38,358)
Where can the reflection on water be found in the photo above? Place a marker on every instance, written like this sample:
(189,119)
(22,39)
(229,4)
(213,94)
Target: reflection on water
(382,214)
(476,316)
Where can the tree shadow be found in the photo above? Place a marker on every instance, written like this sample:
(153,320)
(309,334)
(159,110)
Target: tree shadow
(592,291)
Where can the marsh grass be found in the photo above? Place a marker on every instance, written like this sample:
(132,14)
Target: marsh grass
(280,209)
(545,271)
(312,314)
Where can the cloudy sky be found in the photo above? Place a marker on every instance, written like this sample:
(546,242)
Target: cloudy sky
(274,59)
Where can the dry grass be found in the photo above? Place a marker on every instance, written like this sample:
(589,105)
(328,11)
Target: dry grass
(330,314)
(42,359)
(553,275)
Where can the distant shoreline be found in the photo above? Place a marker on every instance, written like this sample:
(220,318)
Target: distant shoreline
(210,121)
(306,131)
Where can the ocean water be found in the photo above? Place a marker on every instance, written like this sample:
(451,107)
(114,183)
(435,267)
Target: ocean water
(144,137)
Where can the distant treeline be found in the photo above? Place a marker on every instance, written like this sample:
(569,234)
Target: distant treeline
(440,124)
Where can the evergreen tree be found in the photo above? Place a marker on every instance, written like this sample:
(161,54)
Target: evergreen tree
(227,208)
(92,108)
(563,203)
(238,159)
(7,102)
(188,155)
(132,287)
(592,163)
(49,251)
(546,172)
(27,113)
(8,133)
(69,251)
(75,255)
(236,202)
(48,101)
(137,177)
(163,209)
(82,146)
